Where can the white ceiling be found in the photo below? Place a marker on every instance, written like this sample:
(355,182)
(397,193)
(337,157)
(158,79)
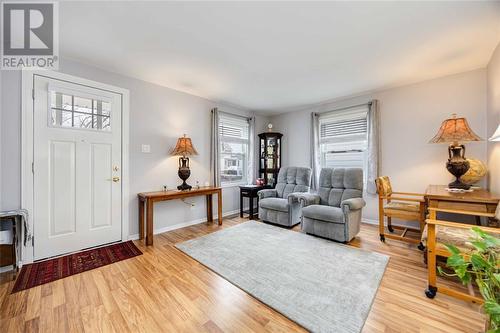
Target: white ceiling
(275,56)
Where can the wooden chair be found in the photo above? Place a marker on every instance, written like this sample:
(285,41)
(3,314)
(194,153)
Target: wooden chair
(401,205)
(437,234)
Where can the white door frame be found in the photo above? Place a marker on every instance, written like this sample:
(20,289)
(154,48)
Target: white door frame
(27,190)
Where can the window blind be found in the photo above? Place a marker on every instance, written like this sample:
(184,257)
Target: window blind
(233,128)
(343,138)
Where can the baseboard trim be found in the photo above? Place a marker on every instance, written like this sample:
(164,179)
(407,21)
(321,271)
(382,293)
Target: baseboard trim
(184,224)
(226,214)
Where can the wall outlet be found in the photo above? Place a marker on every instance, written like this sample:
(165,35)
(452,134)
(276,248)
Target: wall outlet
(145,148)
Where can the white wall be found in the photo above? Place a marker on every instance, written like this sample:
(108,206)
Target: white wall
(158,116)
(494,120)
(410,117)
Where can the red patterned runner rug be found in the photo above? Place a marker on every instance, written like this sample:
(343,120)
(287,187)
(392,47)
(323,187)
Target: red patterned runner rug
(39,273)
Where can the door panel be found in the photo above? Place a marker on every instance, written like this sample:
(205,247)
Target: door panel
(62,188)
(77,167)
(101,186)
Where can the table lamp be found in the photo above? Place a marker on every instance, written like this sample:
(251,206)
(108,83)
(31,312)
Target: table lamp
(454,130)
(184,148)
(496,135)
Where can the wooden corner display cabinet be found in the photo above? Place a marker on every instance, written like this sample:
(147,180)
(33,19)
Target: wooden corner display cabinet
(269,157)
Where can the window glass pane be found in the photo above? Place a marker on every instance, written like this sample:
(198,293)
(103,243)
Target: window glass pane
(233,161)
(79,112)
(60,100)
(61,118)
(82,120)
(106,108)
(83,104)
(102,123)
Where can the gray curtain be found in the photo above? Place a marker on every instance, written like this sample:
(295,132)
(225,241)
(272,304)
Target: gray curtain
(315,162)
(373,153)
(214,149)
(251,151)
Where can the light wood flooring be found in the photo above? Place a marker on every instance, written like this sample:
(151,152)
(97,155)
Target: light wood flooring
(164,290)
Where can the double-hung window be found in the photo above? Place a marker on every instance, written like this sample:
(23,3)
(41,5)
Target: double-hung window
(343,138)
(234,135)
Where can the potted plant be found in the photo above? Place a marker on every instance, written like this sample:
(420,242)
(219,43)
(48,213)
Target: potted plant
(482,265)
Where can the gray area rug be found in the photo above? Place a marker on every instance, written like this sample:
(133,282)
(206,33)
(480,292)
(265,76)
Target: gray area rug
(319,284)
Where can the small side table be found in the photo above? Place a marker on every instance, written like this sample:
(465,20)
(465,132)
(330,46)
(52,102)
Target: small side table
(250,192)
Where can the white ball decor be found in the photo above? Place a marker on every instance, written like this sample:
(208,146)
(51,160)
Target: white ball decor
(475,173)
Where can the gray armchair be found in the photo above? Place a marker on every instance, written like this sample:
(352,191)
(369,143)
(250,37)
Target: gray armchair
(335,211)
(280,205)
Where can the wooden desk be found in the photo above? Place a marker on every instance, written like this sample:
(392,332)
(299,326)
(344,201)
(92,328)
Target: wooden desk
(480,201)
(147,199)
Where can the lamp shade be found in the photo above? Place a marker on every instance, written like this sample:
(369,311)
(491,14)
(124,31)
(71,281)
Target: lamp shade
(496,136)
(184,147)
(454,130)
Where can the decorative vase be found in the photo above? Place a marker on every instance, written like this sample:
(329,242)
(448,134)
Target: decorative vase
(457,165)
(184,173)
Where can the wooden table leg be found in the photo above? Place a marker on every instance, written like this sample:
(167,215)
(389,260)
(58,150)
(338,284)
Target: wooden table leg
(219,206)
(141,219)
(210,216)
(250,207)
(241,203)
(149,222)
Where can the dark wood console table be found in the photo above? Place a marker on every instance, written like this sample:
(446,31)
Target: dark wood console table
(147,199)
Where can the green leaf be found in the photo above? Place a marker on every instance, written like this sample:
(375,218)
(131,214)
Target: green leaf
(453,249)
(479,232)
(479,262)
(492,308)
(455,260)
(479,245)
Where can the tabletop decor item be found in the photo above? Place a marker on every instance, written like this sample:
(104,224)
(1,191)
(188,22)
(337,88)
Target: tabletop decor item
(496,135)
(183,149)
(477,171)
(454,130)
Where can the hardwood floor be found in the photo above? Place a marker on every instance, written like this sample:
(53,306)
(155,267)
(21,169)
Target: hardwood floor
(166,291)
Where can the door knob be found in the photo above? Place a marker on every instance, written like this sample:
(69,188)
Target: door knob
(116,179)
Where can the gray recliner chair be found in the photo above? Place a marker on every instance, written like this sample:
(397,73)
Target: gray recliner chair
(335,211)
(280,205)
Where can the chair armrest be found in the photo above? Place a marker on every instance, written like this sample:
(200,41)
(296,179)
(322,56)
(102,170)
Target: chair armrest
(267,193)
(353,203)
(307,199)
(294,197)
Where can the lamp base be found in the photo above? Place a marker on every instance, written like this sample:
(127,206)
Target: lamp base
(458,184)
(184,186)
(457,165)
(184,173)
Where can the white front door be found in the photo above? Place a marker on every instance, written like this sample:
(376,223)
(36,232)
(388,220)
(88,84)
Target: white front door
(77,167)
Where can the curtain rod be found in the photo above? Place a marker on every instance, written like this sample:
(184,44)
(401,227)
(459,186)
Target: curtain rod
(345,108)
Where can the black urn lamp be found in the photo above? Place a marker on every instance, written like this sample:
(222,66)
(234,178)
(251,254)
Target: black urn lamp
(454,130)
(183,149)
